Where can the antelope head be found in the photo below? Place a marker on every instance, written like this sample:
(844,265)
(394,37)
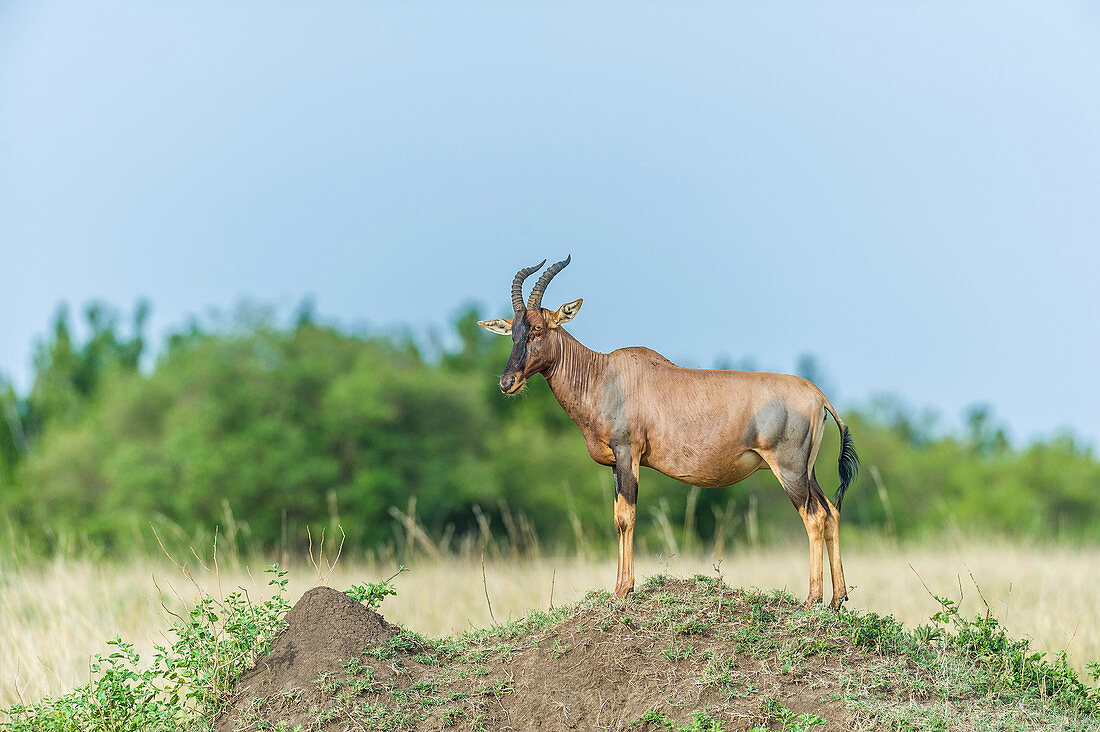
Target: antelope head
(534,330)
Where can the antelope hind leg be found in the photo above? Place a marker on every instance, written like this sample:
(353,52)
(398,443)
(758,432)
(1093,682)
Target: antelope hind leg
(836,568)
(815,533)
(796,482)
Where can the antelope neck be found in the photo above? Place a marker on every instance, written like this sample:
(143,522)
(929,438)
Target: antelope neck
(574,374)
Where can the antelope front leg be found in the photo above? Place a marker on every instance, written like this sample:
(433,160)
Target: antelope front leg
(626,499)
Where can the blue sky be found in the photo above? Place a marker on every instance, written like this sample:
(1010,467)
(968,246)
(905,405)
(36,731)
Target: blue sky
(909,191)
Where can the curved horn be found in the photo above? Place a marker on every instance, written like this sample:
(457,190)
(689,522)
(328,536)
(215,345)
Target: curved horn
(517,285)
(535,300)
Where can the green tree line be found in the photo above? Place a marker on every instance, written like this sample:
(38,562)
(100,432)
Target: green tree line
(276,427)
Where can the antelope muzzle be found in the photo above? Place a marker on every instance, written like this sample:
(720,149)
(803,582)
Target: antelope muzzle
(511,383)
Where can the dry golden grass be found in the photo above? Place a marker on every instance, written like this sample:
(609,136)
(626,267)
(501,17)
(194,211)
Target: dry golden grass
(54,615)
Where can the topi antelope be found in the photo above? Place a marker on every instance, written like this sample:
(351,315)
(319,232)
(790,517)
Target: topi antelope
(703,427)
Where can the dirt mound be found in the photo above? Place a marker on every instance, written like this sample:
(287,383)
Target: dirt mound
(325,629)
(682,655)
(680,652)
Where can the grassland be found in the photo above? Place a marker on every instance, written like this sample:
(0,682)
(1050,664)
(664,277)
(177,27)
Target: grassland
(53,615)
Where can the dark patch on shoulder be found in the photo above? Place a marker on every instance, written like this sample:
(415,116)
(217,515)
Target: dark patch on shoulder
(613,409)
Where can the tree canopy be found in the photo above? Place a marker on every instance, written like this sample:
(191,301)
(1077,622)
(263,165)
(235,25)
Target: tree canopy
(278,427)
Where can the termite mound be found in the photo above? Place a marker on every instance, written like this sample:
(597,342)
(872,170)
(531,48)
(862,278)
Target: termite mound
(677,648)
(325,632)
(680,654)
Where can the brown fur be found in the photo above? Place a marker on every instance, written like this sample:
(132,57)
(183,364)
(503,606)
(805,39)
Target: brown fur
(704,427)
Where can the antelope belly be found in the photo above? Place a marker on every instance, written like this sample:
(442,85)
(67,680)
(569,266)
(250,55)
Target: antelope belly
(713,473)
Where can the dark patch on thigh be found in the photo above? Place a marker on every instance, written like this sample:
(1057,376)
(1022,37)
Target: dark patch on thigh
(767,424)
(778,427)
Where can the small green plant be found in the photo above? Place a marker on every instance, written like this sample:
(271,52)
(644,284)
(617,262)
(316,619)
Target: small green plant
(691,627)
(372,594)
(677,651)
(701,721)
(775,711)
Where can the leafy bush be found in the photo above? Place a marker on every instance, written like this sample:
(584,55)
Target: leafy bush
(995,664)
(1009,667)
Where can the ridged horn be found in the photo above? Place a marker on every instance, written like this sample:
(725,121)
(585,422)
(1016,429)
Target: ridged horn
(517,285)
(535,300)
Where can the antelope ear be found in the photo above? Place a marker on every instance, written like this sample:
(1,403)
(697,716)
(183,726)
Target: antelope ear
(500,326)
(566,313)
